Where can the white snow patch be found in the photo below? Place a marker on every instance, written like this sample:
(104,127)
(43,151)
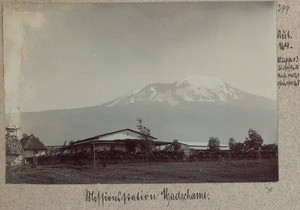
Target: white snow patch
(190,89)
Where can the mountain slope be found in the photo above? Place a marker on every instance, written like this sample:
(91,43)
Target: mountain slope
(192,109)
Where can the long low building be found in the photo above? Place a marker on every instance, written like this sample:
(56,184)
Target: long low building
(190,148)
(203,145)
(126,140)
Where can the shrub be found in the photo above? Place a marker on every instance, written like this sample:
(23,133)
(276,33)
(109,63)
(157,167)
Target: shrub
(110,156)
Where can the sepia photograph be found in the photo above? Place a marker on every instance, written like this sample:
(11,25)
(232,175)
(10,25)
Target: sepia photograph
(138,93)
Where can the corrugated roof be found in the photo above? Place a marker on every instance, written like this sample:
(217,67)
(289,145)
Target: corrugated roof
(201,144)
(192,143)
(13,146)
(105,134)
(31,143)
(206,147)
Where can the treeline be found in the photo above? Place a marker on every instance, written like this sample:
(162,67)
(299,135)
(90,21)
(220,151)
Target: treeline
(252,147)
(108,157)
(238,151)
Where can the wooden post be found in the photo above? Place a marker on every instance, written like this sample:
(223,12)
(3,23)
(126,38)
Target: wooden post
(94,154)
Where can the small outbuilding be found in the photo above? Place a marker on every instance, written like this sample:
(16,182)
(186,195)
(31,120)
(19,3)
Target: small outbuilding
(32,146)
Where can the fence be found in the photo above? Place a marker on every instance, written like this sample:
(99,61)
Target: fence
(109,157)
(115,156)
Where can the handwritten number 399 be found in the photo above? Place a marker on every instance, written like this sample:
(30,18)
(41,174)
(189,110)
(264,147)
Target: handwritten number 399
(282,8)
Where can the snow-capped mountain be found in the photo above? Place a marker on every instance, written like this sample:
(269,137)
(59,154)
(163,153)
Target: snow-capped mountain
(190,89)
(191,109)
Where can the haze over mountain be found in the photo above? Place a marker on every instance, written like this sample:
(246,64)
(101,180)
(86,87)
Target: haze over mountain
(191,109)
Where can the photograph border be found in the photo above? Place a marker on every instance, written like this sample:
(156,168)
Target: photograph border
(277,195)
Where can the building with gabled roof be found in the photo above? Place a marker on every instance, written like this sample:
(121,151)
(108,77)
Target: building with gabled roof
(32,146)
(126,140)
(13,130)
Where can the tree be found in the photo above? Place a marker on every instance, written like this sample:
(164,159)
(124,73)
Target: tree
(214,147)
(25,135)
(253,143)
(146,141)
(214,144)
(176,145)
(231,144)
(255,137)
(238,150)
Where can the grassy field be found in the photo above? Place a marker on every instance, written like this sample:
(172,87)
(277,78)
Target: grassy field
(172,172)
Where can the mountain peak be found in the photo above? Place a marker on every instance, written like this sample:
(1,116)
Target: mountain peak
(203,81)
(190,89)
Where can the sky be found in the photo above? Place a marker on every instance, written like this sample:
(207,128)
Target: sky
(68,56)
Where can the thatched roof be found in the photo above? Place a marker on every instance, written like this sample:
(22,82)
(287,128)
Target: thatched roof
(13,146)
(32,143)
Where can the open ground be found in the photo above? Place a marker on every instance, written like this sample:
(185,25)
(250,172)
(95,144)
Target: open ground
(262,170)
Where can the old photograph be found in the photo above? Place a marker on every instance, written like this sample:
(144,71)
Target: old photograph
(123,93)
